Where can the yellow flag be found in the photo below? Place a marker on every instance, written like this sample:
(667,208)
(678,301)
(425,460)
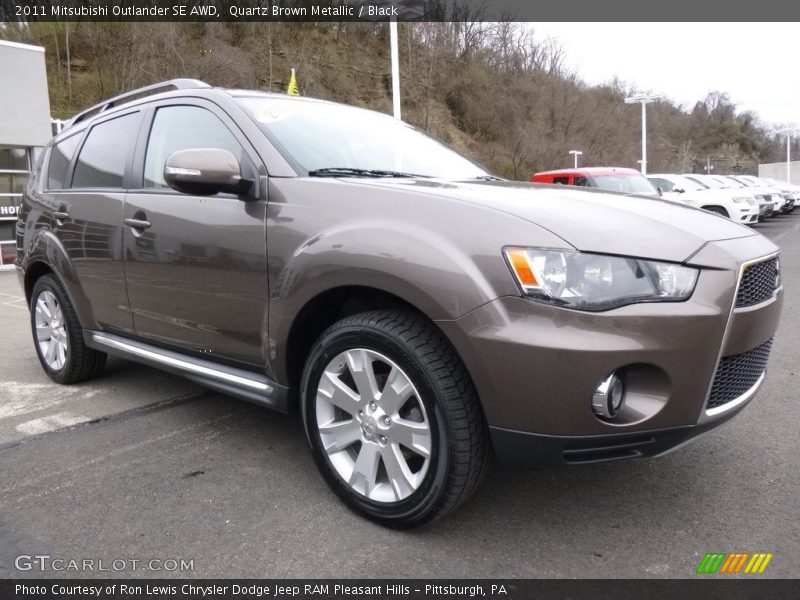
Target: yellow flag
(293,90)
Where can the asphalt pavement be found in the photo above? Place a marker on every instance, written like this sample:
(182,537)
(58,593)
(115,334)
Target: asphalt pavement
(138,465)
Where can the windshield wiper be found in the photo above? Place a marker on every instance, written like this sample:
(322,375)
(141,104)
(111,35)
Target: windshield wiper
(353,172)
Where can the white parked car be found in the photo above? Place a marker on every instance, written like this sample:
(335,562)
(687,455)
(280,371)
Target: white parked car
(765,205)
(790,193)
(769,193)
(739,207)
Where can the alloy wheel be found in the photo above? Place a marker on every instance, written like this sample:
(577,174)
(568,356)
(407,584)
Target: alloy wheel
(373,426)
(51,332)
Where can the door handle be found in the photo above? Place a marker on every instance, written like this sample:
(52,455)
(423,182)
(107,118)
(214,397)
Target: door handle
(61,215)
(137,223)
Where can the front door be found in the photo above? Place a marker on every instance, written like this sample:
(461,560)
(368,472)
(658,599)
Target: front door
(196,266)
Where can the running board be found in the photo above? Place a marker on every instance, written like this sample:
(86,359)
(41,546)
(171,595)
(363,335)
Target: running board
(243,384)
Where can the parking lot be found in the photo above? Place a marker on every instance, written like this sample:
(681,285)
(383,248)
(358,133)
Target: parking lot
(142,465)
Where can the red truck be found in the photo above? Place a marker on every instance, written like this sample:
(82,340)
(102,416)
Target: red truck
(615,179)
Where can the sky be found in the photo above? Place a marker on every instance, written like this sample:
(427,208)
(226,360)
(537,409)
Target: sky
(755,63)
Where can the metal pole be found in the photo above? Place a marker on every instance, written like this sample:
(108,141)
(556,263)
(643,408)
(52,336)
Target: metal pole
(395,70)
(644,137)
(788,157)
(576,159)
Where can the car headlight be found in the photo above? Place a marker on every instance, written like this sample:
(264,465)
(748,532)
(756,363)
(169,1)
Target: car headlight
(595,281)
(743,199)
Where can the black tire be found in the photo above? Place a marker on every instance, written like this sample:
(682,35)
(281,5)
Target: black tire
(459,434)
(718,210)
(81,362)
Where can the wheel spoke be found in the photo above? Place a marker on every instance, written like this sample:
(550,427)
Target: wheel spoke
(360,365)
(414,436)
(50,352)
(52,304)
(43,310)
(338,435)
(396,392)
(42,333)
(338,393)
(365,469)
(400,476)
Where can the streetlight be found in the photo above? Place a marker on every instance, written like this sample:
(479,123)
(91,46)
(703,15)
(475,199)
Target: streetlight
(576,154)
(788,131)
(644,99)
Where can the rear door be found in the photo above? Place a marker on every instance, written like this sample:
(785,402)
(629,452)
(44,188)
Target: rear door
(86,177)
(197,270)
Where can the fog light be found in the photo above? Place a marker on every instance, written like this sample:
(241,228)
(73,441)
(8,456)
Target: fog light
(609,397)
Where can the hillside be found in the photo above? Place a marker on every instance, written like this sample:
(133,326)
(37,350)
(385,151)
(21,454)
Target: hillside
(489,89)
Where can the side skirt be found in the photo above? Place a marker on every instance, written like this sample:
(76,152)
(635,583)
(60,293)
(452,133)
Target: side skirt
(240,383)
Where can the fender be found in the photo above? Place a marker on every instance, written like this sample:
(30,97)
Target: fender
(45,247)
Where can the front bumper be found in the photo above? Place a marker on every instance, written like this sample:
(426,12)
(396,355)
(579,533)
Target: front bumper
(536,366)
(529,449)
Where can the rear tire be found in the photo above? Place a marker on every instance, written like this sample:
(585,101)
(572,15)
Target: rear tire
(403,439)
(58,336)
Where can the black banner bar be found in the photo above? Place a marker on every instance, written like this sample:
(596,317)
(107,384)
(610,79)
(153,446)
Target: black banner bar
(704,587)
(401,10)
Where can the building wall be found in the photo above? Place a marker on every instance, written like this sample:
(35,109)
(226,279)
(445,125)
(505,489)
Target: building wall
(24,127)
(24,103)
(778,171)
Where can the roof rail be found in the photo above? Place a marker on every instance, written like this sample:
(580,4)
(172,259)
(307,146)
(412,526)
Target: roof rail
(148,90)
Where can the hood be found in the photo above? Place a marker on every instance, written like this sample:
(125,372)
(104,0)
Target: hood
(590,220)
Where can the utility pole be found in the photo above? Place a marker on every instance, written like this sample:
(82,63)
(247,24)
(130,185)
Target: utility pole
(788,131)
(395,69)
(644,99)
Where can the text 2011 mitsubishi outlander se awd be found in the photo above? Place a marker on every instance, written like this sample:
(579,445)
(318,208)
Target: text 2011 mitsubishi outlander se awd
(419,312)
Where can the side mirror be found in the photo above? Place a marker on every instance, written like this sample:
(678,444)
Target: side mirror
(205,172)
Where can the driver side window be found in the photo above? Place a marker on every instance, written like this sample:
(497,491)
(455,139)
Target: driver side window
(181,128)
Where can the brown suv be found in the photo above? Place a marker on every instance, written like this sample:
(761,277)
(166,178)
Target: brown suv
(418,311)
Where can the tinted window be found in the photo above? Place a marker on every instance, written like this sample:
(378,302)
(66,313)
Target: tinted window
(581,181)
(180,128)
(101,162)
(60,158)
(561,180)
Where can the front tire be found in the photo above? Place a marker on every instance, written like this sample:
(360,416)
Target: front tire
(58,337)
(393,419)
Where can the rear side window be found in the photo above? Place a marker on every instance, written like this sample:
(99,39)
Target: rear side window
(181,128)
(581,181)
(102,159)
(561,180)
(60,159)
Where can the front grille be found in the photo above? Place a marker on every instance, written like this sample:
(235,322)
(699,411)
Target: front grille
(737,374)
(759,283)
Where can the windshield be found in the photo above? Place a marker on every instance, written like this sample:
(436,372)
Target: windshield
(688,185)
(737,183)
(709,181)
(319,136)
(627,184)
